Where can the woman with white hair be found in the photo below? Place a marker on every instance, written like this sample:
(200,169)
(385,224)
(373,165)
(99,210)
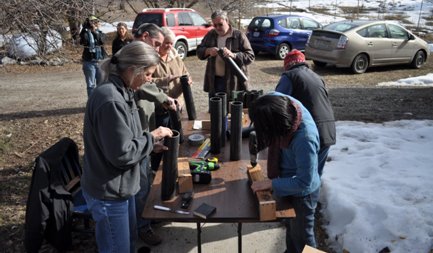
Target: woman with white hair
(167,77)
(115,145)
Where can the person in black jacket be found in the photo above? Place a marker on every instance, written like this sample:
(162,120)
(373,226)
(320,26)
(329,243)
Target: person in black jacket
(123,37)
(300,82)
(93,41)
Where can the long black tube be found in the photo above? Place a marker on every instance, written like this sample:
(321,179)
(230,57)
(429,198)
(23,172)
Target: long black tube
(236,131)
(215,124)
(189,99)
(223,96)
(175,122)
(169,167)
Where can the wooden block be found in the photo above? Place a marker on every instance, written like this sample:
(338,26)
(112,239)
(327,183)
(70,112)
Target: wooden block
(309,249)
(267,205)
(286,213)
(255,173)
(184,178)
(205,124)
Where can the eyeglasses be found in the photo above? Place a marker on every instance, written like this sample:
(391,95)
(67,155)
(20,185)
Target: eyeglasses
(218,25)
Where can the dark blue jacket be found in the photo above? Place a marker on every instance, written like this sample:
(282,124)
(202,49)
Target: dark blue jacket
(306,86)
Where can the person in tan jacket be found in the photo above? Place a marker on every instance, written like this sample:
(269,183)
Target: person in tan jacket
(171,67)
(167,77)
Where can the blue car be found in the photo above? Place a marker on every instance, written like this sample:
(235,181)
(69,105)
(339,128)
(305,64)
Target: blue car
(279,34)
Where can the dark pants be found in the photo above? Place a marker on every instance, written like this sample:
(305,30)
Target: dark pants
(323,155)
(300,230)
(219,86)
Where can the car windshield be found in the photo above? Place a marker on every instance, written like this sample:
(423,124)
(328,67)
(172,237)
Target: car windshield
(155,18)
(341,27)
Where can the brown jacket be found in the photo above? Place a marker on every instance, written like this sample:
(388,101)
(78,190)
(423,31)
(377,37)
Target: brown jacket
(239,44)
(173,66)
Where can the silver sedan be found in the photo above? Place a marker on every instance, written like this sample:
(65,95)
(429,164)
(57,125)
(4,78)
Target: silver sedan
(359,44)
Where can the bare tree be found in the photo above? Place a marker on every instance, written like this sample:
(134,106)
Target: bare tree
(37,18)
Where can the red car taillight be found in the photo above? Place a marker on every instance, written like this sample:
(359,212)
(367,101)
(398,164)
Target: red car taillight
(342,42)
(273,33)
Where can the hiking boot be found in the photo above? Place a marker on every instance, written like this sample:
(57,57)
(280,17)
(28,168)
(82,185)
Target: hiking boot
(149,237)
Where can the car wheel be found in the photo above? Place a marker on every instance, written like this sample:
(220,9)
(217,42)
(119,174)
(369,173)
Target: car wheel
(181,49)
(418,60)
(360,64)
(282,51)
(319,63)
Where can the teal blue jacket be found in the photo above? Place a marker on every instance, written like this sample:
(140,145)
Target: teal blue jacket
(298,162)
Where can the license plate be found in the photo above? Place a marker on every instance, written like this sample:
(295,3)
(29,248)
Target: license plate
(256,34)
(322,44)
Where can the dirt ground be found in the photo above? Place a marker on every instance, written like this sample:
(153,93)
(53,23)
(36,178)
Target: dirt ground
(40,105)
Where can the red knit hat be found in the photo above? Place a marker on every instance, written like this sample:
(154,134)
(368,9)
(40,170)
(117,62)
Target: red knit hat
(292,58)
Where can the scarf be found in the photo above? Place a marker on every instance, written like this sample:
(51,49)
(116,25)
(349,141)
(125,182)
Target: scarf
(281,143)
(92,46)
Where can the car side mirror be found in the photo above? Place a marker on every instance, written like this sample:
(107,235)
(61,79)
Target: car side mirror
(411,36)
(207,25)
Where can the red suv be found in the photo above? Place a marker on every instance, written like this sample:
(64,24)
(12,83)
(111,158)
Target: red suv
(188,26)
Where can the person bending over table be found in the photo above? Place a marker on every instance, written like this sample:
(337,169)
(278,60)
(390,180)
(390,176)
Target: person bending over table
(115,145)
(286,127)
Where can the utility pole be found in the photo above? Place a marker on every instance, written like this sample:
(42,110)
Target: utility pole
(419,16)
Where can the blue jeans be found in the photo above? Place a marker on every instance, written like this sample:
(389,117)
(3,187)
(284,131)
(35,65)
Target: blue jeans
(323,155)
(300,230)
(116,228)
(92,75)
(141,196)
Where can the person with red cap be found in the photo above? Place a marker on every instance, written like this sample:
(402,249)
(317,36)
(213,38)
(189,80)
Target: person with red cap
(300,82)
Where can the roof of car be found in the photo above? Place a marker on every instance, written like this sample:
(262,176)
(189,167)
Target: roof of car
(159,10)
(356,23)
(279,15)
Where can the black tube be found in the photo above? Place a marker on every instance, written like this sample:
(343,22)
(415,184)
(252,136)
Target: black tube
(169,167)
(236,131)
(189,99)
(215,124)
(175,122)
(223,96)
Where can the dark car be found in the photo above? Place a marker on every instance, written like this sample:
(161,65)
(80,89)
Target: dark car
(279,34)
(187,24)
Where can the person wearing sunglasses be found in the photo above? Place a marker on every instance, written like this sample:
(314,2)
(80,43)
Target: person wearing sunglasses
(219,44)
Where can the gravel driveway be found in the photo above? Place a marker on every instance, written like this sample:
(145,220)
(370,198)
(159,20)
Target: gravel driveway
(47,90)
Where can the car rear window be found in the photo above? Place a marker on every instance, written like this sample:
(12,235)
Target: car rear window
(340,27)
(260,23)
(155,18)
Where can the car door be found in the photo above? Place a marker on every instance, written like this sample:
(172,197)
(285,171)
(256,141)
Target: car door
(201,26)
(307,26)
(375,43)
(258,28)
(292,29)
(187,29)
(402,49)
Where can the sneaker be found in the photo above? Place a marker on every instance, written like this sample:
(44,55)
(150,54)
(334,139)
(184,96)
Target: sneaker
(149,237)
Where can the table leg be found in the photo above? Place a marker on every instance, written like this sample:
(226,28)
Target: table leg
(198,237)
(240,237)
